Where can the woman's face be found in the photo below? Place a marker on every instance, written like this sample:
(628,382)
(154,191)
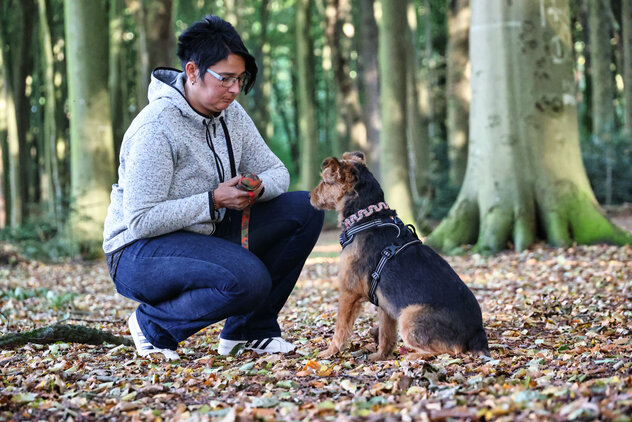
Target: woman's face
(206,94)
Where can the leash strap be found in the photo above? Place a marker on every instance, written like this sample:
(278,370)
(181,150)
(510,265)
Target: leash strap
(387,253)
(249,183)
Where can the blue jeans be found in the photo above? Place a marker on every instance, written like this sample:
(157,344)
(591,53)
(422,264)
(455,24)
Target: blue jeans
(187,281)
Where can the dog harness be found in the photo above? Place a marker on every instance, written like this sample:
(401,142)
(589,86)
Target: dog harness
(406,236)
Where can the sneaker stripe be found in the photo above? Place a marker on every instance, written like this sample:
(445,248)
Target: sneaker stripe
(256,343)
(267,342)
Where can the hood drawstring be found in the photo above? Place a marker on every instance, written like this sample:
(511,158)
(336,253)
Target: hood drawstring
(218,161)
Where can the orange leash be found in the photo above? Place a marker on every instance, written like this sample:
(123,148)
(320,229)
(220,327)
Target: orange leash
(248,182)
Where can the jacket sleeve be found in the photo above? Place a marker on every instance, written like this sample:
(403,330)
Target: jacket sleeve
(148,160)
(257,157)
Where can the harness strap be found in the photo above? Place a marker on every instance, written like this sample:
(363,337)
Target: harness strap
(387,253)
(346,236)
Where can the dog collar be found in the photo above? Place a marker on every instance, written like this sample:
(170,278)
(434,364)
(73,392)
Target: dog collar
(348,222)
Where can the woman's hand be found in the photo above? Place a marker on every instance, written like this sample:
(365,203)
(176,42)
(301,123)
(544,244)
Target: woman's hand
(227,195)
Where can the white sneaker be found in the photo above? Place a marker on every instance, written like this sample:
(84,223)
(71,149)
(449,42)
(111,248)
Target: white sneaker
(143,346)
(264,345)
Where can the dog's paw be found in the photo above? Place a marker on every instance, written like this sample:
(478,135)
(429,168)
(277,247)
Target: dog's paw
(377,356)
(374,332)
(325,354)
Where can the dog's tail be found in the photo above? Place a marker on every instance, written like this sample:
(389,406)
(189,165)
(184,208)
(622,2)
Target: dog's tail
(477,344)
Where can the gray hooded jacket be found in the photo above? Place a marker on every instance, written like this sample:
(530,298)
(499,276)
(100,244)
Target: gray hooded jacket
(167,166)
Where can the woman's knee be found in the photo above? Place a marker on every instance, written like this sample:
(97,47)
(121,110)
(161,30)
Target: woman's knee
(311,217)
(249,287)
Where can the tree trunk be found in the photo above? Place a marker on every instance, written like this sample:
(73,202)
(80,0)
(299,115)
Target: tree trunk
(394,155)
(626,32)
(16,30)
(262,89)
(603,111)
(524,163)
(156,40)
(418,141)
(23,62)
(306,111)
(256,103)
(338,15)
(62,332)
(458,87)
(117,76)
(370,84)
(4,146)
(51,187)
(92,155)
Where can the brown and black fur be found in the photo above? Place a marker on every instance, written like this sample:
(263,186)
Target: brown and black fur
(418,292)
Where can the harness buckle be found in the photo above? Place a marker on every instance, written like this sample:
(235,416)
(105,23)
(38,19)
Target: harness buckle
(389,251)
(375,275)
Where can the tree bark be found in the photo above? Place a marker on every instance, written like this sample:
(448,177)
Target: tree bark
(306,111)
(256,103)
(156,40)
(116,76)
(417,139)
(603,111)
(62,332)
(51,187)
(92,155)
(4,146)
(393,80)
(458,88)
(626,34)
(263,88)
(524,163)
(16,31)
(338,15)
(370,83)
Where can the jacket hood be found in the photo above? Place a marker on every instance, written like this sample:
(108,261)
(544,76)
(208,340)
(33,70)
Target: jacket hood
(167,83)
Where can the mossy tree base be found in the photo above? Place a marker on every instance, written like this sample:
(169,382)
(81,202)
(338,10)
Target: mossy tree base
(525,178)
(563,216)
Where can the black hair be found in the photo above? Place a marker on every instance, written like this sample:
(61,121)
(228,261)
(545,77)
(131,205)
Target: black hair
(211,40)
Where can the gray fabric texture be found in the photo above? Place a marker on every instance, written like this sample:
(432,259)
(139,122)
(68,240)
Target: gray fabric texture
(167,168)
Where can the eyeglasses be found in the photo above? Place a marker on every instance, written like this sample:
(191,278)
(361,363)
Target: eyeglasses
(228,81)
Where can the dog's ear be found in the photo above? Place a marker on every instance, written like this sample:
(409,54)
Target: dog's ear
(331,170)
(356,156)
(329,161)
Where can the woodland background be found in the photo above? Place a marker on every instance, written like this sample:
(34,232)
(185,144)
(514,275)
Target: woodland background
(392,78)
(494,125)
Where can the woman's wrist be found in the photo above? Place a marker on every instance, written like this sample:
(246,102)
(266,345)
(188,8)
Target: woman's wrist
(213,206)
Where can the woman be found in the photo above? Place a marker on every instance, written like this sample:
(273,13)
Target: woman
(172,231)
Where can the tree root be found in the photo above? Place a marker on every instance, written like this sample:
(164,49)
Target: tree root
(62,332)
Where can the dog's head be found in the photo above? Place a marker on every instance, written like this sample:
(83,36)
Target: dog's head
(338,180)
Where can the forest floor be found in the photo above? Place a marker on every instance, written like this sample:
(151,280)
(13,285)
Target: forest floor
(559,323)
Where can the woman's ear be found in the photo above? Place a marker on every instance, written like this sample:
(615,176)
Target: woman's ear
(191,70)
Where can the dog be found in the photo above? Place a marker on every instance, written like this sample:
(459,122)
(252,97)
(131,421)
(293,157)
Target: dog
(384,262)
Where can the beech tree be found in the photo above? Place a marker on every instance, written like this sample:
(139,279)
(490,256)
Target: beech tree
(458,87)
(626,34)
(91,142)
(306,103)
(394,169)
(603,89)
(525,173)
